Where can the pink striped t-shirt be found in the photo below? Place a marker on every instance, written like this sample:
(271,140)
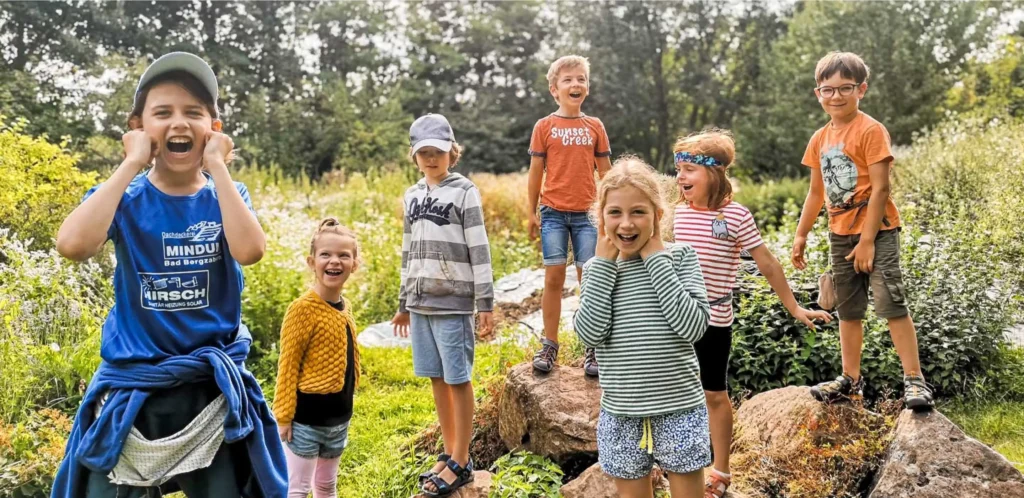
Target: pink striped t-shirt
(718,236)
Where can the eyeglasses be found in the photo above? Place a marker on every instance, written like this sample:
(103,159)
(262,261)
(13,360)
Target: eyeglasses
(830,91)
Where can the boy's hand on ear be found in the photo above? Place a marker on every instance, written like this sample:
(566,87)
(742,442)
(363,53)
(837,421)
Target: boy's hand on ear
(218,147)
(139,148)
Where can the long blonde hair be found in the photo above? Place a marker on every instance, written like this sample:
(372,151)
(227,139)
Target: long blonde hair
(630,171)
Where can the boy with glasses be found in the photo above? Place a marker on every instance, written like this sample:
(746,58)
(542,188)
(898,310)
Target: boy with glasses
(850,161)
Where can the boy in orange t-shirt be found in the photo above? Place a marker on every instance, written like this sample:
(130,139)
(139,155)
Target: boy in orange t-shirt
(567,145)
(850,161)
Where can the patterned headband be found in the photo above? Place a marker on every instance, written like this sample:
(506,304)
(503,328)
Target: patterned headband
(686,157)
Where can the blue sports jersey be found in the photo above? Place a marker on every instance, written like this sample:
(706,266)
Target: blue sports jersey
(176,286)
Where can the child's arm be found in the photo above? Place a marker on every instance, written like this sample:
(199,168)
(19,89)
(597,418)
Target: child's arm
(772,270)
(536,179)
(479,258)
(863,255)
(245,238)
(85,230)
(400,322)
(812,208)
(679,283)
(603,165)
(296,331)
(593,320)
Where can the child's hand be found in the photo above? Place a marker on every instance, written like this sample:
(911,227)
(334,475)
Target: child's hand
(218,148)
(605,247)
(654,244)
(863,257)
(486,324)
(401,324)
(534,226)
(797,256)
(285,431)
(807,316)
(139,148)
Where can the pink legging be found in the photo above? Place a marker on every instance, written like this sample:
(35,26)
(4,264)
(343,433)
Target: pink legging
(317,474)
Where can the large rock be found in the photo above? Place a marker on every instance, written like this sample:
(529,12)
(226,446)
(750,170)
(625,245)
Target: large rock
(521,285)
(593,483)
(534,322)
(479,488)
(554,414)
(382,335)
(787,420)
(930,457)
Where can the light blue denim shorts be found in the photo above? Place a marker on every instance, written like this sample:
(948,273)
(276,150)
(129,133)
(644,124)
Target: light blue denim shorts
(557,228)
(309,441)
(442,346)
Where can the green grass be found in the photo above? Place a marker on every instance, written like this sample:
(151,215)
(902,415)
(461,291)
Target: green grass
(392,406)
(999,424)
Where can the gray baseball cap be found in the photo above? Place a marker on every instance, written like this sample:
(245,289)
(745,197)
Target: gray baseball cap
(181,61)
(431,130)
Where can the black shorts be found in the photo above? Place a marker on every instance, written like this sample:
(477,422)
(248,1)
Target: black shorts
(713,357)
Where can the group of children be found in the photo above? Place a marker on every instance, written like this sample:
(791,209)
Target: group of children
(172,406)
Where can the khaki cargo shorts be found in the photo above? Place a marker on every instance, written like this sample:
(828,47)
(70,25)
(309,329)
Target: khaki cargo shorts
(885,280)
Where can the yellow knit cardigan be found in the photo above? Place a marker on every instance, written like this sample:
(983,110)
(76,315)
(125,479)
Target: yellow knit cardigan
(314,342)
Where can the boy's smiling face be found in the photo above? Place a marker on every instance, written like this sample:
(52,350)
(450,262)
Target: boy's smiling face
(571,87)
(843,103)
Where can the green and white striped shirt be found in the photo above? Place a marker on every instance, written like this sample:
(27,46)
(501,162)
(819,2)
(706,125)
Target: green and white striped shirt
(643,316)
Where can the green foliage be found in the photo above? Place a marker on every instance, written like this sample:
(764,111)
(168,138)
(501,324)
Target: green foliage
(525,475)
(40,184)
(30,453)
(992,89)
(772,202)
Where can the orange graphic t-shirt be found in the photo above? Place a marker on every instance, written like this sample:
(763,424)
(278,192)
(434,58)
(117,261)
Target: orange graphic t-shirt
(569,147)
(843,155)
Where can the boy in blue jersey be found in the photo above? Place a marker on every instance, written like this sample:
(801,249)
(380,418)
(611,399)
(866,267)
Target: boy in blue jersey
(172,406)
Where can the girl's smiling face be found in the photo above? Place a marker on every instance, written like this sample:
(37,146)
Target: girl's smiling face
(333,260)
(178,123)
(629,219)
(692,180)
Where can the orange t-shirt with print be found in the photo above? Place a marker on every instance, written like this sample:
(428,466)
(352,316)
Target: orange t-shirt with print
(569,147)
(843,155)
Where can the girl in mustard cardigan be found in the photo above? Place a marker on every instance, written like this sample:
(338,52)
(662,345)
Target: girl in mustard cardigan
(319,367)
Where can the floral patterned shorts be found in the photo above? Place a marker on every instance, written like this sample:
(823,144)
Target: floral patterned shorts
(628,447)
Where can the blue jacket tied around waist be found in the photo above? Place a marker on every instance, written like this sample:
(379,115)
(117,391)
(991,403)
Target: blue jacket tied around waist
(95,444)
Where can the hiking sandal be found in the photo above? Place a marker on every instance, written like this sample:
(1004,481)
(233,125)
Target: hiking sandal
(547,357)
(917,394)
(715,486)
(443,457)
(463,476)
(842,387)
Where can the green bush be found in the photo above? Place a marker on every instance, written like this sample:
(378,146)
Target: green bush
(30,453)
(525,475)
(40,184)
(771,201)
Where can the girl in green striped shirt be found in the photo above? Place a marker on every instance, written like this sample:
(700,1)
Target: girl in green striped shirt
(642,306)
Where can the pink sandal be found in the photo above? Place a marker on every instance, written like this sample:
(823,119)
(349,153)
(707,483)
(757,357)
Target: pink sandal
(715,486)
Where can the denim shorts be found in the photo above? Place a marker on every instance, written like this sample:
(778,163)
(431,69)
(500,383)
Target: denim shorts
(557,228)
(309,441)
(682,443)
(442,346)
(885,279)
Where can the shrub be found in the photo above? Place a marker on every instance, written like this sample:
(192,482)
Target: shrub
(40,184)
(30,453)
(523,474)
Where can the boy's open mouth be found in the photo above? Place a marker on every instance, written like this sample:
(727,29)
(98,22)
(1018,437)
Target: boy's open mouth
(179,145)
(334,272)
(575,95)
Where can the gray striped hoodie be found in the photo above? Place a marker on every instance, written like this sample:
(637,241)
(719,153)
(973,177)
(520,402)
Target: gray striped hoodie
(446,259)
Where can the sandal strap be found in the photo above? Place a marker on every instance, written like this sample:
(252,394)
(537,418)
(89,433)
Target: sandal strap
(458,470)
(441,487)
(443,457)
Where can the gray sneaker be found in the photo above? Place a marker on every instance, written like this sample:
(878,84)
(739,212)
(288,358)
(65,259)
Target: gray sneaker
(916,393)
(547,357)
(843,387)
(590,363)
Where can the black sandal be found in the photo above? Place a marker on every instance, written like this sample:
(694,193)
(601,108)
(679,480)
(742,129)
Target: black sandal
(463,476)
(443,457)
